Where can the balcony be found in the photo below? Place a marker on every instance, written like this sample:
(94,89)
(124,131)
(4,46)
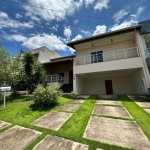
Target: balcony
(108,56)
(54,78)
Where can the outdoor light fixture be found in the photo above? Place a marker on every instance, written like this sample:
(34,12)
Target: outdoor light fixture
(92,45)
(111,40)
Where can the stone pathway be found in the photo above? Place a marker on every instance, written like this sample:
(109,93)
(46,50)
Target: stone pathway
(111,97)
(4,124)
(147,110)
(109,102)
(83,96)
(117,132)
(69,107)
(77,101)
(143,104)
(53,120)
(17,138)
(58,143)
(111,111)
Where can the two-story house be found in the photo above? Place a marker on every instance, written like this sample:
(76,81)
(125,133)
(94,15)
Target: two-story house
(111,63)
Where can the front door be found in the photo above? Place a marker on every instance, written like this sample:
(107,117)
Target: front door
(70,77)
(109,88)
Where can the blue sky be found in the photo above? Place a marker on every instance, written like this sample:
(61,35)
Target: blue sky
(53,23)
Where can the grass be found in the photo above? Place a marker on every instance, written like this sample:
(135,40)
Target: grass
(138,114)
(73,129)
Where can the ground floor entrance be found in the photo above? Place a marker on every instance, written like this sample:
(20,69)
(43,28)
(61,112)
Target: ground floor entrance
(109,87)
(113,82)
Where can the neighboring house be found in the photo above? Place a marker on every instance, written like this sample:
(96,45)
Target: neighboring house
(43,54)
(112,63)
(59,70)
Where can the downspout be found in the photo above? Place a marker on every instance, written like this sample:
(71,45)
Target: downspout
(141,56)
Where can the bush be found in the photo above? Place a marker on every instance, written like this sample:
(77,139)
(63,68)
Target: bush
(45,97)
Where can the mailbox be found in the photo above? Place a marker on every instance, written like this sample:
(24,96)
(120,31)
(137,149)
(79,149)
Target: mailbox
(3,89)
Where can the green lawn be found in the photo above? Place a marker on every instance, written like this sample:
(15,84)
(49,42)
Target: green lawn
(22,114)
(138,114)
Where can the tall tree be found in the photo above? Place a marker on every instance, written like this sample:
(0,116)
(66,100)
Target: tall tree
(34,72)
(5,63)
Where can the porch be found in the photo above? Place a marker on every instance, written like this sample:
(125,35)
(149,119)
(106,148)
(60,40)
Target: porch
(128,81)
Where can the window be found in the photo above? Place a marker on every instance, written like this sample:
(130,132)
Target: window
(96,56)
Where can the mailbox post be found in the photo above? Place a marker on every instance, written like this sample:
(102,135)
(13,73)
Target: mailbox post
(5,89)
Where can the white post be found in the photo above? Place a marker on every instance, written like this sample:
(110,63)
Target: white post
(113,56)
(125,53)
(103,57)
(4,98)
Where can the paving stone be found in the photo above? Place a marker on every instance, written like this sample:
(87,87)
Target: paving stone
(111,97)
(17,138)
(69,107)
(53,120)
(99,149)
(77,101)
(111,111)
(147,110)
(123,133)
(83,96)
(109,102)
(144,104)
(4,124)
(58,143)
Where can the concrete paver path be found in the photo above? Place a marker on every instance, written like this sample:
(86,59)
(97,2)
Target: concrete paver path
(109,102)
(111,111)
(53,120)
(17,138)
(77,101)
(143,104)
(69,107)
(147,110)
(4,124)
(58,143)
(117,132)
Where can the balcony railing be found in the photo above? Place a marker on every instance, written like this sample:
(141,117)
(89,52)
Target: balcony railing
(108,56)
(54,78)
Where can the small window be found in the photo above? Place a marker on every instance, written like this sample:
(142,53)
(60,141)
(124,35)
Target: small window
(96,56)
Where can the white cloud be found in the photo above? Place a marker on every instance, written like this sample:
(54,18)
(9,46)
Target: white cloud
(88,2)
(139,11)
(101,4)
(54,9)
(78,37)
(127,23)
(123,25)
(18,16)
(3,15)
(18,38)
(100,29)
(67,32)
(86,33)
(76,21)
(120,14)
(6,22)
(49,40)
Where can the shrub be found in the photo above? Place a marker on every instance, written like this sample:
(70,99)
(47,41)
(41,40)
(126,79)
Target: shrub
(45,97)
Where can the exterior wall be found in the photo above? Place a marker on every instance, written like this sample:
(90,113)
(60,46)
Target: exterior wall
(143,56)
(44,54)
(52,69)
(109,65)
(121,85)
(107,47)
(136,79)
(78,85)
